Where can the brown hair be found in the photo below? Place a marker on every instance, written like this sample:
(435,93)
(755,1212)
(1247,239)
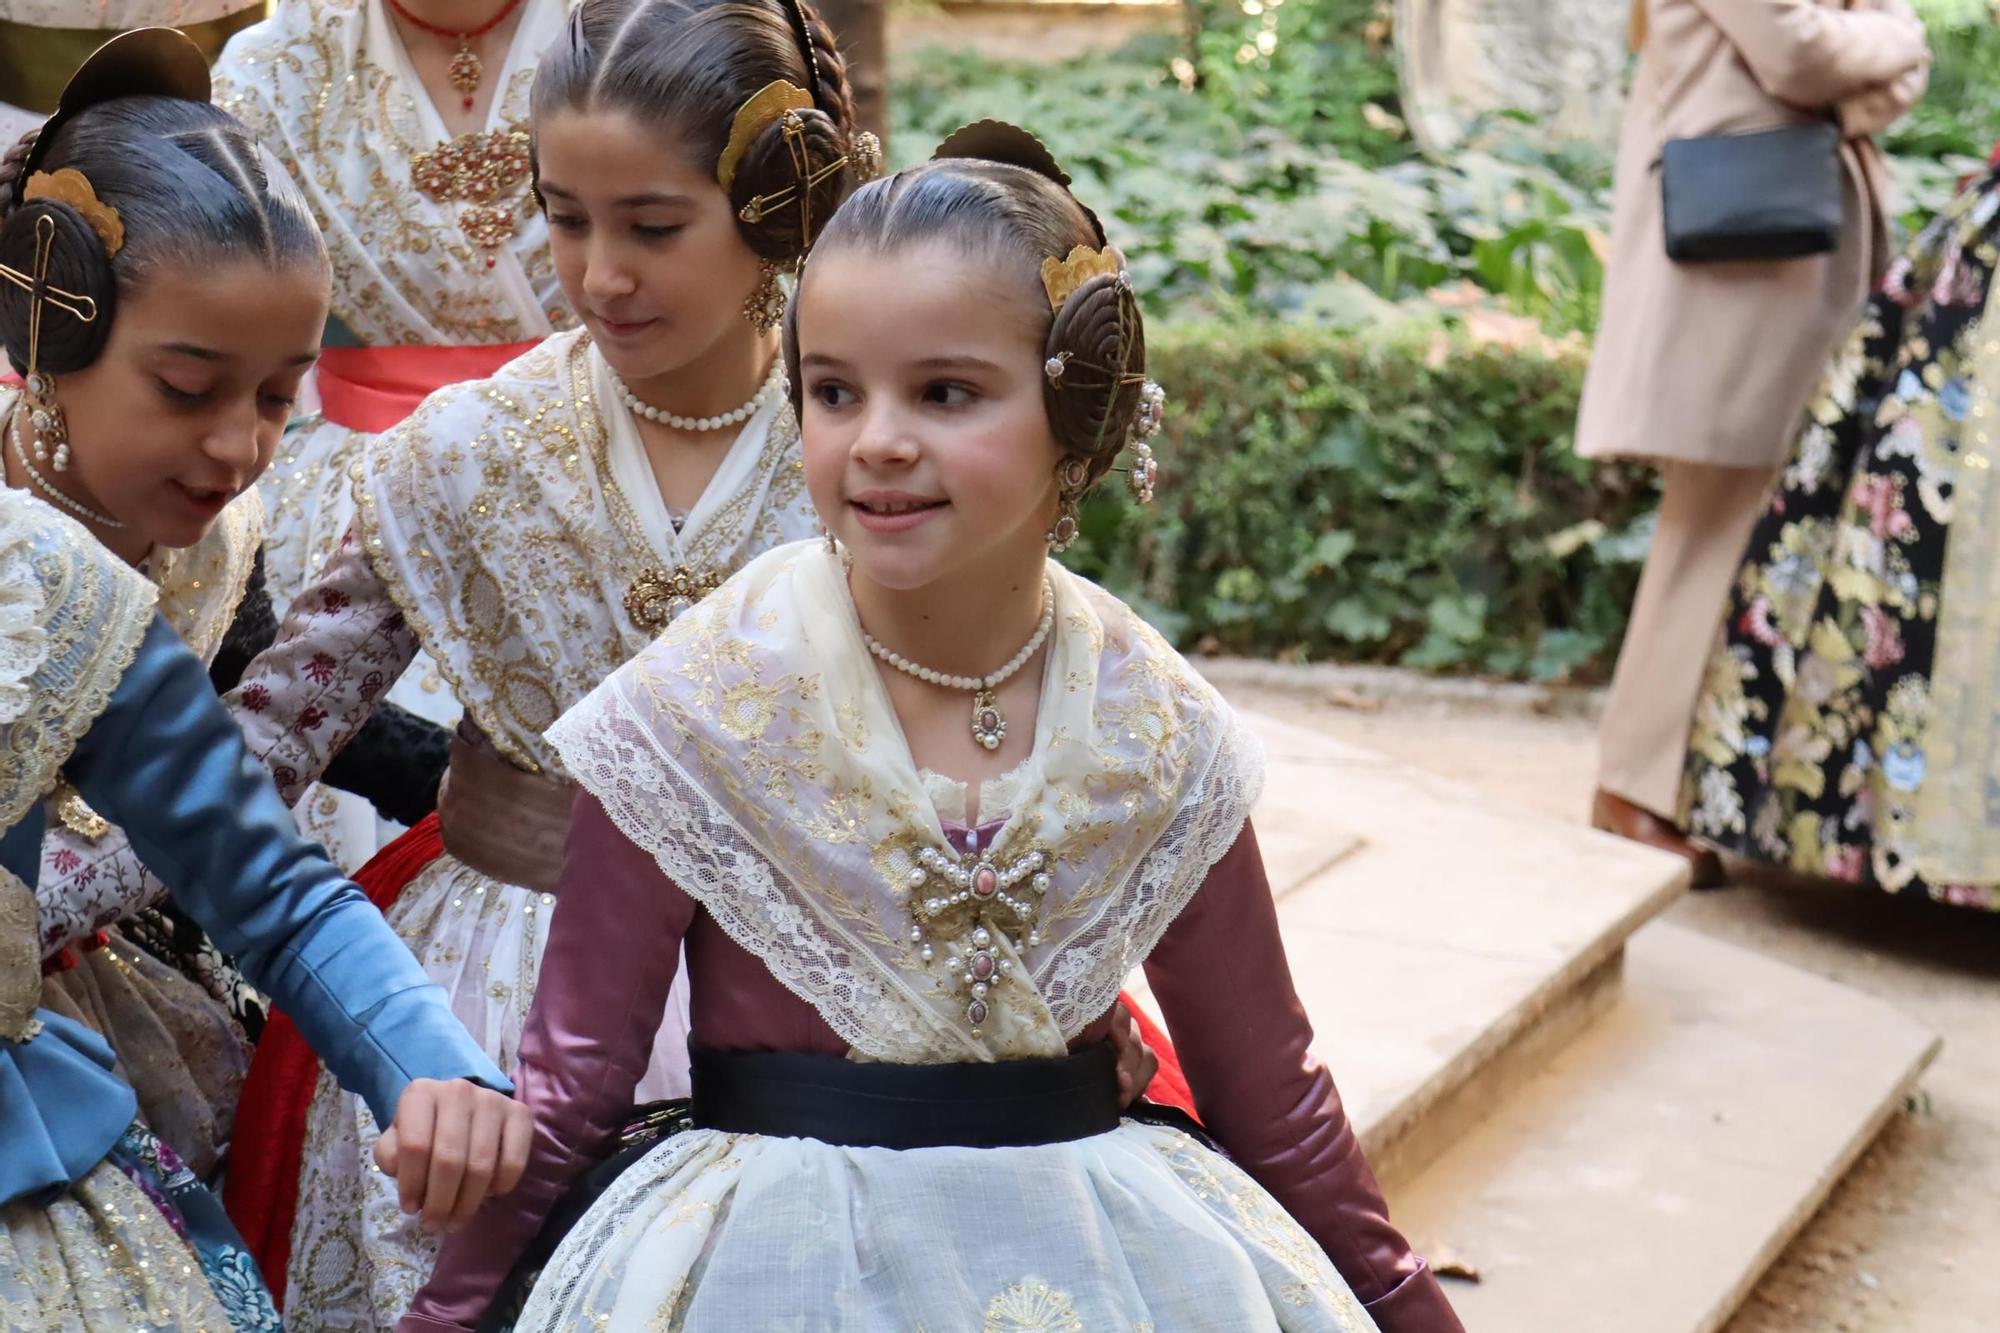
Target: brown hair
(688,66)
(190,186)
(1018,214)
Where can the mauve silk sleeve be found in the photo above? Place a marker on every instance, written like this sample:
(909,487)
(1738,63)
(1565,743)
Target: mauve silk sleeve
(614,946)
(1220,976)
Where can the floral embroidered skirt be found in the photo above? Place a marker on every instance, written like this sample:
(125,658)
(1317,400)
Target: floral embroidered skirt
(1830,731)
(1140,1228)
(137,1244)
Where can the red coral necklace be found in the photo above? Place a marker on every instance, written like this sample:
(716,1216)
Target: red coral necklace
(466,69)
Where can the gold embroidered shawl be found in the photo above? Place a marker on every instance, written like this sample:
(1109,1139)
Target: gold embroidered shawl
(71,620)
(493,517)
(753,752)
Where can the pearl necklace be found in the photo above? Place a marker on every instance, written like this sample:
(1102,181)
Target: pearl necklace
(774,384)
(47,487)
(989,727)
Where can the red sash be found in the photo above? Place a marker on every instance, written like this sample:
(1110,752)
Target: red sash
(267,1151)
(373,388)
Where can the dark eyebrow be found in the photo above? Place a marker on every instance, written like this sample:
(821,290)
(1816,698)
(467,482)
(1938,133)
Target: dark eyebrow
(200,353)
(934,363)
(194,350)
(640,200)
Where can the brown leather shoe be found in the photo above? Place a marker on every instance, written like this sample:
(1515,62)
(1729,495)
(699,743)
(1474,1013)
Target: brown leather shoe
(1614,814)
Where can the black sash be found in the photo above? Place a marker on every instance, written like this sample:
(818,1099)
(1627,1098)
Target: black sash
(1009,1104)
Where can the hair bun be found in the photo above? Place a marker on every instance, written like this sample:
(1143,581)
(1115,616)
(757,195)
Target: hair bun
(1099,340)
(789,183)
(1000,141)
(77,264)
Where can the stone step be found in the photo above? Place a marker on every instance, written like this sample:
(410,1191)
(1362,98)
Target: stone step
(1659,1163)
(1443,945)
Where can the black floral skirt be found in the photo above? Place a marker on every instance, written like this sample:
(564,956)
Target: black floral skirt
(1813,737)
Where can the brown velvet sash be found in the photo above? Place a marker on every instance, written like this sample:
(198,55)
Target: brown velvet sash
(501,820)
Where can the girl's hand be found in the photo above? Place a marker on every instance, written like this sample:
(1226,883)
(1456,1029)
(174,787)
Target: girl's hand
(454,1143)
(1136,1062)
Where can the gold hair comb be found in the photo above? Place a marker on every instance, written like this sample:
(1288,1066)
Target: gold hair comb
(765,108)
(1061,277)
(72,187)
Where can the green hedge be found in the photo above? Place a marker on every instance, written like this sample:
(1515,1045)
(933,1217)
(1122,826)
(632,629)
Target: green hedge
(1404,495)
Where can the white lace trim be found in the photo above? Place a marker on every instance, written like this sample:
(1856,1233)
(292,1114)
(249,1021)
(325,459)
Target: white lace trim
(752,753)
(610,749)
(93,611)
(24,644)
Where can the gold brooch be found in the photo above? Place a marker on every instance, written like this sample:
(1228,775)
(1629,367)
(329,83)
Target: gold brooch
(74,813)
(486,169)
(654,600)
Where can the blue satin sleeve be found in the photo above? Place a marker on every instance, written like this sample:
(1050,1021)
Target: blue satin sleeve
(168,765)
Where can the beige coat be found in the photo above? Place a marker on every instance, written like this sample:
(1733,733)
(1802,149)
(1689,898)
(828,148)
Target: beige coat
(1713,363)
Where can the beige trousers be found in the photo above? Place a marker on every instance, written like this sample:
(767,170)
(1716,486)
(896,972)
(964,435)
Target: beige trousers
(1706,514)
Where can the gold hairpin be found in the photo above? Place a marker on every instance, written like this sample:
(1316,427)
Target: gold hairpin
(766,106)
(1061,277)
(42,293)
(70,186)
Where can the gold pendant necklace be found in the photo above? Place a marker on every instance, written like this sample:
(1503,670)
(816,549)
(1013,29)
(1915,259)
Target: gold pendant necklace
(466,70)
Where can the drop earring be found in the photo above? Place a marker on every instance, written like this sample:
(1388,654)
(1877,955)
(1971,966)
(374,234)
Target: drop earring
(765,307)
(1071,479)
(51,426)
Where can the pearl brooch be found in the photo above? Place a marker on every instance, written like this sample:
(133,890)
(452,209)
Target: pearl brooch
(987,886)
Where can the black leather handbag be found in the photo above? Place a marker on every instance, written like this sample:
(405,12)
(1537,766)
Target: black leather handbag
(1769,194)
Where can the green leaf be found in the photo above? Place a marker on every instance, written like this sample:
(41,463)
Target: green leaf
(1353,619)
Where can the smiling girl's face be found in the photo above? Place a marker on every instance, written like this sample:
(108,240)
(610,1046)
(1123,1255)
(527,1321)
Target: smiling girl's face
(646,245)
(928,450)
(182,411)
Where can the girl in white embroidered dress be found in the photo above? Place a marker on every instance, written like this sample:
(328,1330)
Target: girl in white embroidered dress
(430,286)
(884,838)
(531,532)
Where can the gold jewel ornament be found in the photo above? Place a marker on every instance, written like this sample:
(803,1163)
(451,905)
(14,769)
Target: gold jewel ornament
(488,171)
(1062,277)
(74,813)
(466,70)
(780,103)
(1072,478)
(656,600)
(764,109)
(69,186)
(765,307)
(867,157)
